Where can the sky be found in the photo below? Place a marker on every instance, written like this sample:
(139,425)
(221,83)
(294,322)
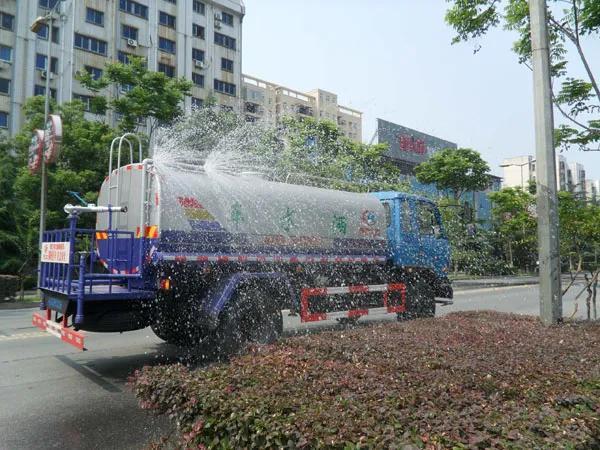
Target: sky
(393,59)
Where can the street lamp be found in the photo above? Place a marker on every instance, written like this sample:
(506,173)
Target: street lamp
(36,26)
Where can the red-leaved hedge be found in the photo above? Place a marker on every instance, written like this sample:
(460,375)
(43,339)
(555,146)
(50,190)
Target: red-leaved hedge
(467,380)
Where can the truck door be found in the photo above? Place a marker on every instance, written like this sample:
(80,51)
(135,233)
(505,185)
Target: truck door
(434,248)
(405,238)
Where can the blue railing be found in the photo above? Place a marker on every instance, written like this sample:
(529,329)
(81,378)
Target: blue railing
(83,270)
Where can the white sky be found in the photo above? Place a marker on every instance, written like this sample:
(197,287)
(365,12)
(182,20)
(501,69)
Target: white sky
(393,59)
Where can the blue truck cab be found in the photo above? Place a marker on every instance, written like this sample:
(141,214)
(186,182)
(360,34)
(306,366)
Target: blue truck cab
(417,241)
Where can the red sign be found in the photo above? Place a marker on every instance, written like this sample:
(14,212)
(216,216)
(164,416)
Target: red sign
(410,144)
(36,148)
(56,252)
(53,137)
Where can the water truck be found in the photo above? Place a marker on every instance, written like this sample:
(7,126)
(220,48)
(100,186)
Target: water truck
(210,256)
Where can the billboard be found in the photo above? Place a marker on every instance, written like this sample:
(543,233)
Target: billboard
(407,145)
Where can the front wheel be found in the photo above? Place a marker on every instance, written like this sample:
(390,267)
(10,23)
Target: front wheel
(420,300)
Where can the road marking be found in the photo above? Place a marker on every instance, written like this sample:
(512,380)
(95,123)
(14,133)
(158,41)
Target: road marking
(491,289)
(17,337)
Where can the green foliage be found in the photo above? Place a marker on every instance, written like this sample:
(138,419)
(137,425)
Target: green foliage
(514,221)
(568,22)
(459,170)
(150,95)
(579,229)
(466,380)
(318,149)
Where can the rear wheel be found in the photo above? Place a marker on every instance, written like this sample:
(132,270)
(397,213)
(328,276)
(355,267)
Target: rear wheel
(177,319)
(252,316)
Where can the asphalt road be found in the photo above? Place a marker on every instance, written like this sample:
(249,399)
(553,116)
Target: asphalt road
(52,396)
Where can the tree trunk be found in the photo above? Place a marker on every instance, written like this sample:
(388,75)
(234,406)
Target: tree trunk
(589,296)
(510,254)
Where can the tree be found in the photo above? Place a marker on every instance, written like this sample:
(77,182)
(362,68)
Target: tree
(459,170)
(514,221)
(143,94)
(569,22)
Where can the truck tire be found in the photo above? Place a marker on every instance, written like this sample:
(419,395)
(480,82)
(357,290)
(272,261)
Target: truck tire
(252,316)
(420,300)
(177,321)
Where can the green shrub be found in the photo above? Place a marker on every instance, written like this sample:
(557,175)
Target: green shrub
(467,380)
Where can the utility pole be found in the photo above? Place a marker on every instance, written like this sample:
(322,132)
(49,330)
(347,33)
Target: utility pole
(547,200)
(47,20)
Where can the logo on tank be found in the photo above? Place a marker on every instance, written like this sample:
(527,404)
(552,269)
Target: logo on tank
(193,209)
(368,224)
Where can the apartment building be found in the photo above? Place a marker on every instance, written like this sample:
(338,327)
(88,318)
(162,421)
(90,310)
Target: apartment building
(198,40)
(521,170)
(264,100)
(592,191)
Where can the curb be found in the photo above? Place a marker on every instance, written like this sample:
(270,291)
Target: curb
(18,305)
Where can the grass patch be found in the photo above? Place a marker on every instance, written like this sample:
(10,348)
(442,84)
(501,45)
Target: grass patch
(467,380)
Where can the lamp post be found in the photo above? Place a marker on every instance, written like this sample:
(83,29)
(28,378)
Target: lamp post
(37,24)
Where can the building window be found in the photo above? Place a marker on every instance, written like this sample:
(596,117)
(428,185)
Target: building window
(123,58)
(131,7)
(166,45)
(198,79)
(129,32)
(198,31)
(197,102)
(41,63)
(166,19)
(227,18)
(224,87)
(85,99)
(5,53)
(197,54)
(166,69)
(94,72)
(225,41)
(7,21)
(94,16)
(41,90)
(4,86)
(48,4)
(3,119)
(90,44)
(226,65)
(43,33)
(199,7)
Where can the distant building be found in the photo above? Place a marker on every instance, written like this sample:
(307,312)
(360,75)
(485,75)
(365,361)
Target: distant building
(264,100)
(592,191)
(198,40)
(409,147)
(520,171)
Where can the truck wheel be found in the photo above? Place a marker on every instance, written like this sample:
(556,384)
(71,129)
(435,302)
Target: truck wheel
(250,317)
(420,301)
(176,321)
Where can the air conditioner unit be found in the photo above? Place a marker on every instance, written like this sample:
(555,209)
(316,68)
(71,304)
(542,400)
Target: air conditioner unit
(44,74)
(218,17)
(199,64)
(217,25)
(132,43)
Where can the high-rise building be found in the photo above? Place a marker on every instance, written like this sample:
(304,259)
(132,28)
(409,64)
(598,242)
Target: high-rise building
(521,170)
(198,40)
(264,100)
(592,191)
